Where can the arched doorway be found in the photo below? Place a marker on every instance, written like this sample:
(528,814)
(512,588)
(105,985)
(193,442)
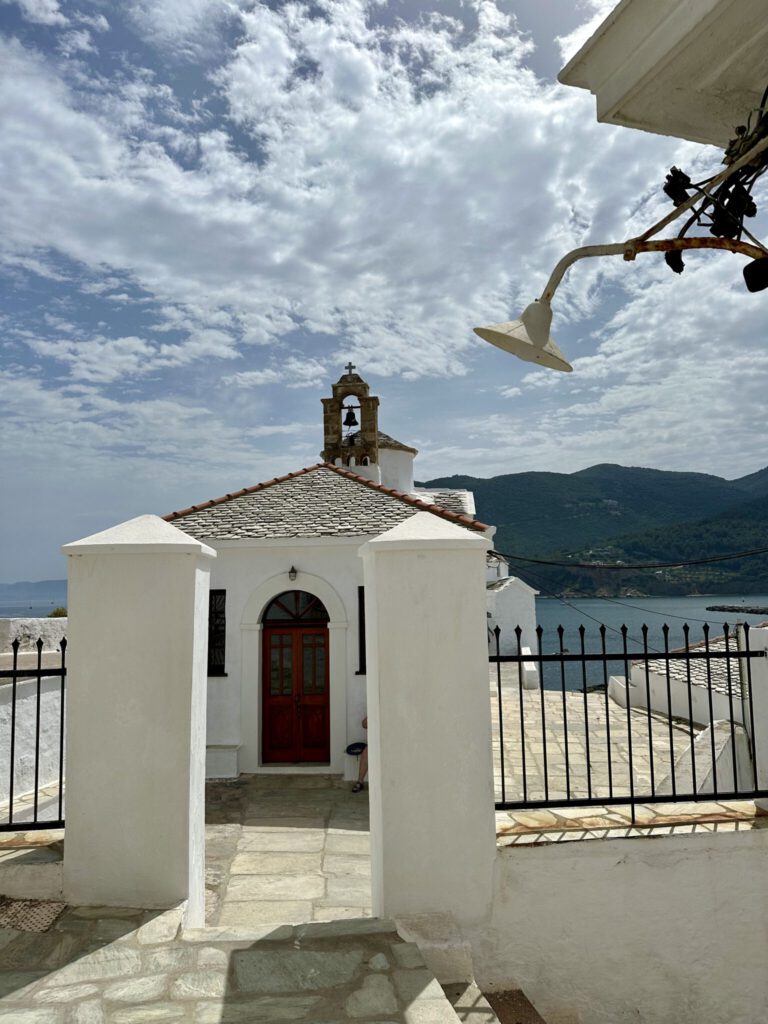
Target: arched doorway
(295,690)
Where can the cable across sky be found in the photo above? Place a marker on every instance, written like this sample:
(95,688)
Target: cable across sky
(624,566)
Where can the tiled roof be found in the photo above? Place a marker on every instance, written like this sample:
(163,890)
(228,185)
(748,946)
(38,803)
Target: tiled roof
(453,498)
(320,501)
(722,672)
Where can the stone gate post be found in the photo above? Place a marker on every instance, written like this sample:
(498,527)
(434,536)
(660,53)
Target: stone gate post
(135,739)
(429,729)
(758,675)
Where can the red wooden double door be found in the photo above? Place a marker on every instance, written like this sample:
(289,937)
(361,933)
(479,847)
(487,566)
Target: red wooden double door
(295,684)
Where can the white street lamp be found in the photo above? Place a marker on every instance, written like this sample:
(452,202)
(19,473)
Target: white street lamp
(529,338)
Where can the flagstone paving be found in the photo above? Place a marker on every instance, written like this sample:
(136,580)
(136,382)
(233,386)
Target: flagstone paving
(98,965)
(287,849)
(289,935)
(581,744)
(558,733)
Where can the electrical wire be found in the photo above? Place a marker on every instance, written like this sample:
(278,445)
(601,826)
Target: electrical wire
(613,567)
(541,584)
(579,611)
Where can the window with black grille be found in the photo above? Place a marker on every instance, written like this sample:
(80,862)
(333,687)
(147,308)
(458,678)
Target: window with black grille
(361,669)
(217,629)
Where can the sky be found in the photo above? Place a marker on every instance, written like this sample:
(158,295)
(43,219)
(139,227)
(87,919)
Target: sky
(207,207)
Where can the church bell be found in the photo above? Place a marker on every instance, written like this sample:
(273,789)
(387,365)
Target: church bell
(350,420)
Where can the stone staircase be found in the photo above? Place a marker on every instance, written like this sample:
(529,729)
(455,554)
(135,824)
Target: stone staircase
(472,1007)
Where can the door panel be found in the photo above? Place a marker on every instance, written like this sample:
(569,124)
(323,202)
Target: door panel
(295,695)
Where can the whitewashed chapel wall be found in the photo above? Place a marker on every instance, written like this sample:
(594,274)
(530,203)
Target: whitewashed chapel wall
(252,575)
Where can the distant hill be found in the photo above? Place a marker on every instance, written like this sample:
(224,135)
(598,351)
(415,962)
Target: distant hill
(34,599)
(610,513)
(606,513)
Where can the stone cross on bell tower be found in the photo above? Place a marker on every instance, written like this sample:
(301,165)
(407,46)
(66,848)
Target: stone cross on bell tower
(359,448)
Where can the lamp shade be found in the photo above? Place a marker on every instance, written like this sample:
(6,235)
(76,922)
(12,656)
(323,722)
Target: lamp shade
(528,338)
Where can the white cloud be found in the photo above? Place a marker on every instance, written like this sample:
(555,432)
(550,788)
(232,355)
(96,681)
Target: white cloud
(41,12)
(669,385)
(338,188)
(294,373)
(597,11)
(97,21)
(77,41)
(103,360)
(384,219)
(185,27)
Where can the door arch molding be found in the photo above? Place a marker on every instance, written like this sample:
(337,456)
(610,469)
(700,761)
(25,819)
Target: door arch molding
(269,589)
(249,759)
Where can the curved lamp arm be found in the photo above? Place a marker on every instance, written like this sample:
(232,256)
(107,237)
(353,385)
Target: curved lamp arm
(630,249)
(633,246)
(529,337)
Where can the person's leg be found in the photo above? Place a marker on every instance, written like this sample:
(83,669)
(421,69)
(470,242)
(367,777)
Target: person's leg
(362,771)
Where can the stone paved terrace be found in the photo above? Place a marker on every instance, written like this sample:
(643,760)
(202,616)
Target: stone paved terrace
(286,848)
(609,731)
(280,849)
(100,965)
(564,740)
(256,962)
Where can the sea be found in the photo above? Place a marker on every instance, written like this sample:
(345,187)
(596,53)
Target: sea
(591,613)
(652,612)
(34,608)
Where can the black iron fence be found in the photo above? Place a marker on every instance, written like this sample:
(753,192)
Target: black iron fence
(32,738)
(586,720)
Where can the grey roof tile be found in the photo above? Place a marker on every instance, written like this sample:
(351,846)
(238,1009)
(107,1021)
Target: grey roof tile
(453,498)
(321,501)
(722,672)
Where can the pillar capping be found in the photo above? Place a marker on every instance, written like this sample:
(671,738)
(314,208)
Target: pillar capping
(423,530)
(143,533)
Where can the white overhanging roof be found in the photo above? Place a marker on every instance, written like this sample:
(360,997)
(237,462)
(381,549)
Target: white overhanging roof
(692,69)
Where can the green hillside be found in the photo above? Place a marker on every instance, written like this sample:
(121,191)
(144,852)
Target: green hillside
(611,513)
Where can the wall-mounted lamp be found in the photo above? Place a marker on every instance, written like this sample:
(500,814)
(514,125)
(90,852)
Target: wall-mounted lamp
(292,573)
(529,338)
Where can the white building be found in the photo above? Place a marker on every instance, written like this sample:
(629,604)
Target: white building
(511,603)
(287,660)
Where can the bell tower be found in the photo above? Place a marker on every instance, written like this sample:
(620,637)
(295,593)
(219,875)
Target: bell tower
(342,443)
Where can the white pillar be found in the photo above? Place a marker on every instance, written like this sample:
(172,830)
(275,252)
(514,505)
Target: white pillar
(758,676)
(429,730)
(135,751)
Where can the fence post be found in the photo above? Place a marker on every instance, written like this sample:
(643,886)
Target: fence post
(431,776)
(135,751)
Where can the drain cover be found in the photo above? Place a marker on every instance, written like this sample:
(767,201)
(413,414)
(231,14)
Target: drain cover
(29,915)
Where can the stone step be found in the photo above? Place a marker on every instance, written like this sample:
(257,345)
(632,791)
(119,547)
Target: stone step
(31,872)
(359,968)
(469,1004)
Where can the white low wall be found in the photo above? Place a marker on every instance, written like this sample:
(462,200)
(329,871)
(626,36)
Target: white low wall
(677,697)
(730,770)
(638,691)
(28,631)
(642,930)
(26,715)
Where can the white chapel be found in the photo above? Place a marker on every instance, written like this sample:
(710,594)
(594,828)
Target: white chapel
(287,658)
